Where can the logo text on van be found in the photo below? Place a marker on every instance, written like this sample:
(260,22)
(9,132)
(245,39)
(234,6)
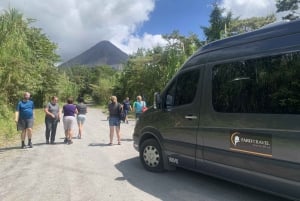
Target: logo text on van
(258,144)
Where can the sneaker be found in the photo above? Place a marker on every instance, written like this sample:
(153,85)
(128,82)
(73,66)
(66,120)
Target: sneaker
(65,140)
(47,141)
(70,142)
(30,145)
(23,146)
(52,142)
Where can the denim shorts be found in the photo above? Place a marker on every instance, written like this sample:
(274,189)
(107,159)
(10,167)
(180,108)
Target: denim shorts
(126,112)
(81,118)
(137,115)
(114,121)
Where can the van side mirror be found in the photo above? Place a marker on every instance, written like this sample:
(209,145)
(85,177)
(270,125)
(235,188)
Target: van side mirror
(157,101)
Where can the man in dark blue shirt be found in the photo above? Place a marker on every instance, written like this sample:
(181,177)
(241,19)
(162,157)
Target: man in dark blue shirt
(24,119)
(127,107)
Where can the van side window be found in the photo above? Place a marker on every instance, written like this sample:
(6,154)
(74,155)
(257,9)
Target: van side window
(263,85)
(183,89)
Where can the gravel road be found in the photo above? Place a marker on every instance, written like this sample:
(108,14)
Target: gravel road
(90,170)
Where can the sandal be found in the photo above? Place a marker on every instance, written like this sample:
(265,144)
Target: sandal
(110,144)
(119,143)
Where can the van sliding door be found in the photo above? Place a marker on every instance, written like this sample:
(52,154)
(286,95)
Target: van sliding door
(180,118)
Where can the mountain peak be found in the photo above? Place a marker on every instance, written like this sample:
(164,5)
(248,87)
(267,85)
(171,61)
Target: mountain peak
(103,53)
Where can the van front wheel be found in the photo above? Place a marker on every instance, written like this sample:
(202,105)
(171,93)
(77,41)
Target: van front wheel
(151,156)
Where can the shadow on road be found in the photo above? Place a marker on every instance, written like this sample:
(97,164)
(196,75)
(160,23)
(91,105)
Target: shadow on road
(98,145)
(127,140)
(34,145)
(9,148)
(186,185)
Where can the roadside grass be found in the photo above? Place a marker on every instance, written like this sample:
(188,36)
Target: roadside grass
(8,130)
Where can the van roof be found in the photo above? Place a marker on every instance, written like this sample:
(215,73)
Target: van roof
(268,31)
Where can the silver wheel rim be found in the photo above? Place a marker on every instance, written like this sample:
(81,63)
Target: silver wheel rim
(151,156)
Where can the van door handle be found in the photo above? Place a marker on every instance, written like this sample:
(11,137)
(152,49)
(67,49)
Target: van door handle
(191,117)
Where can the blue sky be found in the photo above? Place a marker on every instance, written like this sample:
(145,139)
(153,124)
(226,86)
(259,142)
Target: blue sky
(187,17)
(77,25)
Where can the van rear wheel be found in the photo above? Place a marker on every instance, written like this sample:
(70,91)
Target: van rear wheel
(151,156)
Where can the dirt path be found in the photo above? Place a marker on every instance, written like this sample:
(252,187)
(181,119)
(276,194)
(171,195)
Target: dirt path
(89,170)
(84,170)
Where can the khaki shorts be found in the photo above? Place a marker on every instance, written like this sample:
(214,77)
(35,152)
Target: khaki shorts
(69,122)
(24,123)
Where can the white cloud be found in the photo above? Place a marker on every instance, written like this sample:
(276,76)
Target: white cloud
(76,25)
(147,41)
(249,8)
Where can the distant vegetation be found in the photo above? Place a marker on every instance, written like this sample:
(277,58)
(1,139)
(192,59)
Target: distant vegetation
(28,58)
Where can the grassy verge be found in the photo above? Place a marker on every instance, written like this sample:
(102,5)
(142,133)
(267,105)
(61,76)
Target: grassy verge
(8,130)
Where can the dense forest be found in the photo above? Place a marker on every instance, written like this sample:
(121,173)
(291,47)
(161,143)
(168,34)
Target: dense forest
(28,62)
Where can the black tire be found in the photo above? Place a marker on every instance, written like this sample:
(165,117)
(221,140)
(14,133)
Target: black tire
(151,156)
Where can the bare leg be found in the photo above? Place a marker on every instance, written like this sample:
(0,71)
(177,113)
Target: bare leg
(70,134)
(29,133)
(23,135)
(118,134)
(80,129)
(111,134)
(66,134)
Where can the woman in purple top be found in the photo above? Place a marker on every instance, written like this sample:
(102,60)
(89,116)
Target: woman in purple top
(69,120)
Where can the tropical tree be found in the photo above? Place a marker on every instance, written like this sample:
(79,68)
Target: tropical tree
(218,24)
(237,26)
(27,59)
(25,55)
(14,53)
(148,71)
(290,7)
(95,82)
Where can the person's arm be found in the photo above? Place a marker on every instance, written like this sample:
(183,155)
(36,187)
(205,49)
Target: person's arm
(16,116)
(47,112)
(17,113)
(33,110)
(59,114)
